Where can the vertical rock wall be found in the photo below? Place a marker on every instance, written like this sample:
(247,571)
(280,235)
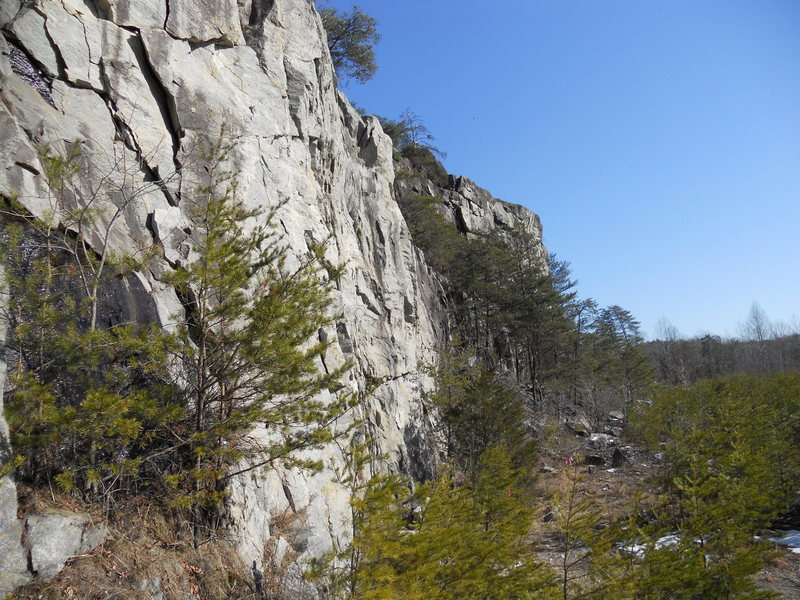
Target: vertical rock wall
(137,85)
(13,561)
(133,82)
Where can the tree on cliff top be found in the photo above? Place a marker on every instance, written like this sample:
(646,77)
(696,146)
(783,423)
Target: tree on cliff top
(351,40)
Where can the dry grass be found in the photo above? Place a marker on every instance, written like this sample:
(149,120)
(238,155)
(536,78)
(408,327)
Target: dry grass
(782,575)
(613,493)
(283,572)
(146,554)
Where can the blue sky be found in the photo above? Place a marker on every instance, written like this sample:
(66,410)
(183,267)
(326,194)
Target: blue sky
(658,140)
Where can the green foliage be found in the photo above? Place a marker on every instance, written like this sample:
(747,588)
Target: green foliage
(431,232)
(423,159)
(378,513)
(397,130)
(414,142)
(615,357)
(739,432)
(476,412)
(731,465)
(128,407)
(351,40)
(590,566)
(480,272)
(462,539)
(84,403)
(245,345)
(534,308)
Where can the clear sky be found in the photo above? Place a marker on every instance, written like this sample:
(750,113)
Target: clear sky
(658,140)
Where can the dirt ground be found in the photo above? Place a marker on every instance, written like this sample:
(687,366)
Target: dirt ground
(613,488)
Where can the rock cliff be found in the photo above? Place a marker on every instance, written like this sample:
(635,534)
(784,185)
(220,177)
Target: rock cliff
(472,209)
(136,85)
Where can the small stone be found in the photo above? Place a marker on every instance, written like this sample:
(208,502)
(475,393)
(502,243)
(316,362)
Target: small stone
(618,459)
(602,440)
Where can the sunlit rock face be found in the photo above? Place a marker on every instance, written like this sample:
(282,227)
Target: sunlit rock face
(138,85)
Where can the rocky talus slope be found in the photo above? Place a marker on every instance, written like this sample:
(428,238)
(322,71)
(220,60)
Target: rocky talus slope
(137,85)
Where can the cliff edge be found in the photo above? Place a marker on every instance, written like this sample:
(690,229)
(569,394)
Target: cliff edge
(136,85)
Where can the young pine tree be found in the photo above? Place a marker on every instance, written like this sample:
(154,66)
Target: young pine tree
(730,467)
(477,411)
(589,566)
(246,348)
(85,405)
(449,540)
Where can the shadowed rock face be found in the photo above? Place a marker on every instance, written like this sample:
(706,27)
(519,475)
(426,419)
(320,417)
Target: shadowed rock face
(138,85)
(13,561)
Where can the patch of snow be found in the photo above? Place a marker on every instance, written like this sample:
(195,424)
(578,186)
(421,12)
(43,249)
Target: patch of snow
(638,550)
(789,538)
(603,439)
(668,541)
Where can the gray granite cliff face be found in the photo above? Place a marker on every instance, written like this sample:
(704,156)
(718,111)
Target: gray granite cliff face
(137,84)
(471,208)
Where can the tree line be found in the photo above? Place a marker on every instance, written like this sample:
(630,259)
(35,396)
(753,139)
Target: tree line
(520,312)
(761,347)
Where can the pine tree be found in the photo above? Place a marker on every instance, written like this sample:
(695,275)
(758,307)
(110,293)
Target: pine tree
(590,566)
(84,403)
(730,466)
(351,40)
(245,349)
(476,410)
(450,539)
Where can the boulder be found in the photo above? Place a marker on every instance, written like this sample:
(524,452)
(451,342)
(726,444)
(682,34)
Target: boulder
(601,441)
(580,425)
(618,459)
(56,535)
(594,460)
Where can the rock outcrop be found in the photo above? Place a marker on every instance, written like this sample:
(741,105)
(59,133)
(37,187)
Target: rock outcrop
(56,535)
(471,208)
(137,85)
(13,562)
